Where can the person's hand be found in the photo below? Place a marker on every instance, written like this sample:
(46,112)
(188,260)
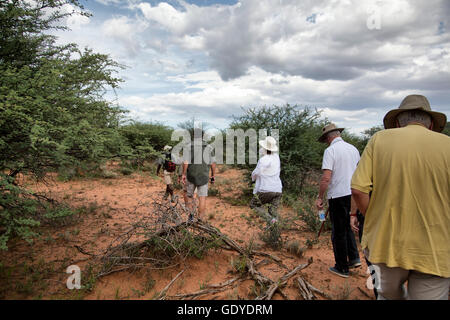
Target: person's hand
(354,224)
(319,204)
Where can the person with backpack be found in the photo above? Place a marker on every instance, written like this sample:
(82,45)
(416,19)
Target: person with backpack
(169,168)
(195,176)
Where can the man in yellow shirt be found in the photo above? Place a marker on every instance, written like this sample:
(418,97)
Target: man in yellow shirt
(407,218)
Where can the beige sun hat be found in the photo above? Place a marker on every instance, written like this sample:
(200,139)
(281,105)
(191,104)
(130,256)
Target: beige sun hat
(415,102)
(167,148)
(327,129)
(269,144)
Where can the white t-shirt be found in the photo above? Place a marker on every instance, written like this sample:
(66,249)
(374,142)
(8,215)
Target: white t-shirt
(342,159)
(267,174)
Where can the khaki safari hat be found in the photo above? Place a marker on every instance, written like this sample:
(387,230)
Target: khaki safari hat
(269,144)
(415,102)
(327,129)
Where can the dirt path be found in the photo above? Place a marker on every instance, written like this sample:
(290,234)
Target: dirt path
(111,205)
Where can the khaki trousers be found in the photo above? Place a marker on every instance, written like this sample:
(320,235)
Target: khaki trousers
(421,286)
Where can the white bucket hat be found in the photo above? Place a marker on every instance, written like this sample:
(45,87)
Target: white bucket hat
(167,148)
(269,144)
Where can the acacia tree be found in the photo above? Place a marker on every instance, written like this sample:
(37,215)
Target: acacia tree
(52,107)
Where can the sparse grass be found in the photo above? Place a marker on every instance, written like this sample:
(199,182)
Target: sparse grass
(239,265)
(126,171)
(223,168)
(310,243)
(149,284)
(213,192)
(216,266)
(272,236)
(108,174)
(343,292)
(295,248)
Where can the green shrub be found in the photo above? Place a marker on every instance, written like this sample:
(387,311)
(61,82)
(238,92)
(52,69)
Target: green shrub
(213,192)
(271,235)
(308,213)
(126,171)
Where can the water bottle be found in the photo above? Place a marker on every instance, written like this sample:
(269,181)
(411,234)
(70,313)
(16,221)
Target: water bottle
(322,215)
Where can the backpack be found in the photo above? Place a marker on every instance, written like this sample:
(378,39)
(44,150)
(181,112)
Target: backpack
(198,174)
(169,165)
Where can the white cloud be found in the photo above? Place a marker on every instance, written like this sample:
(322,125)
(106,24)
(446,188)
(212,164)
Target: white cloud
(125,30)
(187,59)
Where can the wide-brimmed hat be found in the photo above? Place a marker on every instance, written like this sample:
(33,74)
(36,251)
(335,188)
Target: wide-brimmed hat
(327,129)
(415,102)
(269,144)
(167,148)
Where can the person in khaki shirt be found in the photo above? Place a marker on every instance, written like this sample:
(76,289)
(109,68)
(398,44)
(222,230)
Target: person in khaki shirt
(407,218)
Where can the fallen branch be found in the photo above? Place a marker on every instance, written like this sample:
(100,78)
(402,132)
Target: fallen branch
(305,292)
(162,294)
(210,289)
(365,293)
(282,281)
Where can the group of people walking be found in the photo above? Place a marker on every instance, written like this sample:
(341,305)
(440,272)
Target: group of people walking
(396,196)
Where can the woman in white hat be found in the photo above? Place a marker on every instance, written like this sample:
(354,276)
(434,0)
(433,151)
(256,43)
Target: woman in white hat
(268,187)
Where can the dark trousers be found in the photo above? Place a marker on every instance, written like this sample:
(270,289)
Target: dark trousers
(262,198)
(342,237)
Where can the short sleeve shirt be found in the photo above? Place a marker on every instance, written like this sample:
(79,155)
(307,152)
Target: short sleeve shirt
(407,223)
(341,158)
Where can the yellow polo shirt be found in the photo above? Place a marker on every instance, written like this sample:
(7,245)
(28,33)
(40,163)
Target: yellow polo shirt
(407,223)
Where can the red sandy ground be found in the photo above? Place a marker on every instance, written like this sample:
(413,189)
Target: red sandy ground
(115,202)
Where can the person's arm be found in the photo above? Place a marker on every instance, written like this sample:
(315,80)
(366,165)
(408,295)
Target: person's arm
(213,172)
(323,186)
(362,179)
(183,176)
(354,223)
(255,172)
(361,200)
(157,170)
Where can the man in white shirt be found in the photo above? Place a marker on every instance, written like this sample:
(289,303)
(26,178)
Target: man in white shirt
(340,160)
(268,187)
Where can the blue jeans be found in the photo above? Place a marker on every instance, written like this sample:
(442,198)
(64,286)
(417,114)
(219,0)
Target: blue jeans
(342,237)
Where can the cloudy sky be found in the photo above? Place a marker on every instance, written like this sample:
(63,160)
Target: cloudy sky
(355,60)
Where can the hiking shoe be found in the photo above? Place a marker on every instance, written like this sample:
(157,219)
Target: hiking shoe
(338,272)
(354,264)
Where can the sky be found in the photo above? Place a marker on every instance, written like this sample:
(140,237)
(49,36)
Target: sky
(353,60)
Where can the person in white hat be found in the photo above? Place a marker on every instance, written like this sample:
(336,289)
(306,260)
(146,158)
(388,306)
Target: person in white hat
(169,168)
(268,186)
(405,170)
